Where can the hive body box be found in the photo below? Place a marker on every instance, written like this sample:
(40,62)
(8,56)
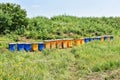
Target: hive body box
(35,46)
(69,43)
(64,43)
(102,38)
(110,37)
(105,38)
(28,46)
(20,46)
(59,43)
(12,46)
(82,41)
(87,40)
(41,46)
(47,44)
(78,42)
(53,44)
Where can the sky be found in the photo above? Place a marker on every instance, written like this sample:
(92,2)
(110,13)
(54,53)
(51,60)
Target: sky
(80,8)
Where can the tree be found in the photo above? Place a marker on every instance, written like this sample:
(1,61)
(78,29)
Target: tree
(12,17)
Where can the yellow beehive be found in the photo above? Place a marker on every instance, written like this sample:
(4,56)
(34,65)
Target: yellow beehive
(108,38)
(35,46)
(77,42)
(102,39)
(47,44)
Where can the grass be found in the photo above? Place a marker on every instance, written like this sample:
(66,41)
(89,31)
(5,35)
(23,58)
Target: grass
(60,64)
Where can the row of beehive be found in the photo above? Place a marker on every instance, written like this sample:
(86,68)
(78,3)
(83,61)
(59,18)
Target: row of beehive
(58,43)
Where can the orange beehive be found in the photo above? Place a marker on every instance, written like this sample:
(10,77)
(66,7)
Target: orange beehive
(35,46)
(59,43)
(47,44)
(69,43)
(64,43)
(53,43)
(82,41)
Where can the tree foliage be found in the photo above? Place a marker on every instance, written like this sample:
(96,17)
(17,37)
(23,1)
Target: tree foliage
(12,17)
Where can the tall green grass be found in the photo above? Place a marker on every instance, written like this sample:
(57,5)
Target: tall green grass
(60,64)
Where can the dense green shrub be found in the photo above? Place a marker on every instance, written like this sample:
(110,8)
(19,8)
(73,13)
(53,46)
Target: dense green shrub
(12,18)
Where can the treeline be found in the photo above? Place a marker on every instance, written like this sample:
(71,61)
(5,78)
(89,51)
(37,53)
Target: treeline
(13,20)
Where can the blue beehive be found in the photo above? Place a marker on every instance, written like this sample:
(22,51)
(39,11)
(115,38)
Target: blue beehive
(111,37)
(12,46)
(27,46)
(105,38)
(87,40)
(40,46)
(98,38)
(20,46)
(92,39)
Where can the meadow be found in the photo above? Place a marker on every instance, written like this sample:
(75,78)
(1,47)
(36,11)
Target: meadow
(61,64)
